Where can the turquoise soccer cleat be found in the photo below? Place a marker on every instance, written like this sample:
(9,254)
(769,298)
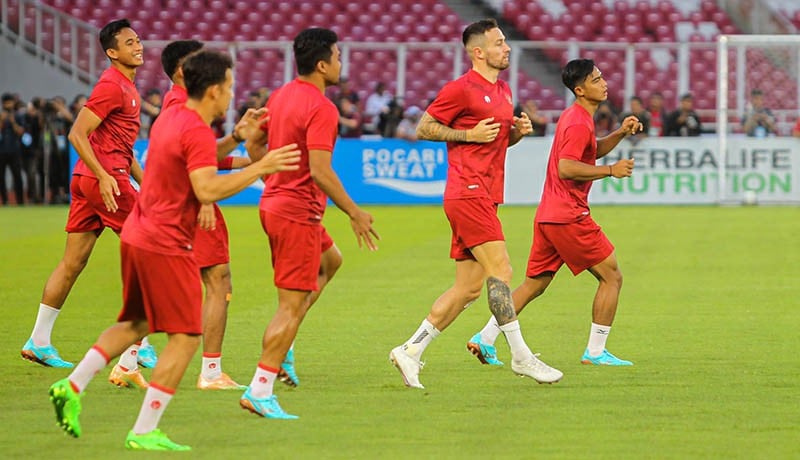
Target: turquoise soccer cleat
(46,356)
(265,407)
(486,354)
(154,440)
(287,373)
(604,359)
(67,404)
(147,356)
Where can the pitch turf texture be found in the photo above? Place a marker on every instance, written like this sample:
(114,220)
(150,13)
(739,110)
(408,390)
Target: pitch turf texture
(708,313)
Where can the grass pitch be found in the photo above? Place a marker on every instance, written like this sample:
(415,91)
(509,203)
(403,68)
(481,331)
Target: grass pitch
(709,314)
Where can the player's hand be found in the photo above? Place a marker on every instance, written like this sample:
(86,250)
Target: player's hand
(285,158)
(361,221)
(523,124)
(631,125)
(622,168)
(250,123)
(207,218)
(109,188)
(485,131)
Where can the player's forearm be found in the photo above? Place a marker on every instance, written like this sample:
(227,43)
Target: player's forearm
(225,145)
(136,171)
(430,129)
(255,150)
(607,144)
(579,171)
(81,143)
(329,182)
(220,187)
(514,137)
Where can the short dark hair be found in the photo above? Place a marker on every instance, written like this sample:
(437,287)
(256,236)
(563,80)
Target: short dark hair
(637,99)
(756,92)
(478,28)
(108,34)
(311,46)
(575,72)
(173,53)
(204,69)
(8,97)
(687,96)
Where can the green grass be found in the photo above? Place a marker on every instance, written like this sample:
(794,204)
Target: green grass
(709,314)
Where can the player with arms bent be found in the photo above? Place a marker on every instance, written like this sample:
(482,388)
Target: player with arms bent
(304,257)
(475,115)
(157,246)
(563,229)
(102,195)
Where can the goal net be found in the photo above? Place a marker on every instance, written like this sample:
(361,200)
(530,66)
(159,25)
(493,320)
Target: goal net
(758,102)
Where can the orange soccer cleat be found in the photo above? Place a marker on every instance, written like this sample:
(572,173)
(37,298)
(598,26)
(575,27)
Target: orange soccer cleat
(127,379)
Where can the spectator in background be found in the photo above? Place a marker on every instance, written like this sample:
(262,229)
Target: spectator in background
(796,129)
(538,120)
(684,121)
(12,127)
(345,92)
(376,108)
(407,128)
(605,120)
(759,121)
(263,97)
(32,150)
(151,107)
(349,119)
(638,111)
(656,114)
(253,101)
(58,120)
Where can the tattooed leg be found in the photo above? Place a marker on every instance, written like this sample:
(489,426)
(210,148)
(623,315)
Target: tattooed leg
(500,302)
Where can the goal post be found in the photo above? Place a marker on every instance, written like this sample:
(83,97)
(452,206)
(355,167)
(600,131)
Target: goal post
(761,163)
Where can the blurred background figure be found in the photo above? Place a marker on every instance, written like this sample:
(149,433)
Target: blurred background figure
(657,114)
(684,121)
(759,121)
(638,111)
(407,128)
(349,119)
(605,120)
(538,120)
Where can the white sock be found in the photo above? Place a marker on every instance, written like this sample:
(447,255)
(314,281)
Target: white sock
(490,332)
(212,366)
(128,358)
(43,327)
(261,385)
(519,349)
(145,342)
(93,362)
(420,340)
(155,401)
(597,339)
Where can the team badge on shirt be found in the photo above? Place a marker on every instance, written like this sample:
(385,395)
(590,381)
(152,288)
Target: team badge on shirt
(487,99)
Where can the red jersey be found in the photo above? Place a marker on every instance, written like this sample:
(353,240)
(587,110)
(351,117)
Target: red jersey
(175,95)
(475,170)
(114,100)
(165,216)
(565,200)
(298,113)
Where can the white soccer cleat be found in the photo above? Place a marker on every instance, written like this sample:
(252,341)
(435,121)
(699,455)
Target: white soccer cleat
(536,369)
(409,367)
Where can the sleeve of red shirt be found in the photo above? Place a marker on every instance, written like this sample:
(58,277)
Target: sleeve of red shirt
(322,128)
(447,105)
(199,148)
(225,164)
(575,140)
(106,97)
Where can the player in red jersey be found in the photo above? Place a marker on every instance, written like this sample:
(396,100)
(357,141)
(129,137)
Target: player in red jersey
(563,229)
(157,246)
(211,240)
(102,195)
(475,115)
(304,257)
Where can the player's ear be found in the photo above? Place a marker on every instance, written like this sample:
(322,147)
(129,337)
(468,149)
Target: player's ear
(112,54)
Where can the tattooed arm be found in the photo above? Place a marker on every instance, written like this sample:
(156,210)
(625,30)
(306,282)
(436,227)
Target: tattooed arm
(430,129)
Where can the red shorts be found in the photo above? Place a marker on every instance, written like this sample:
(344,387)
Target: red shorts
(87,212)
(473,222)
(296,251)
(164,289)
(210,247)
(580,245)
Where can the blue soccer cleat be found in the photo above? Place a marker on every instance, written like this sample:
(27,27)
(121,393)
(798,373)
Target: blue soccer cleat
(46,356)
(287,373)
(147,356)
(265,407)
(604,359)
(486,354)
